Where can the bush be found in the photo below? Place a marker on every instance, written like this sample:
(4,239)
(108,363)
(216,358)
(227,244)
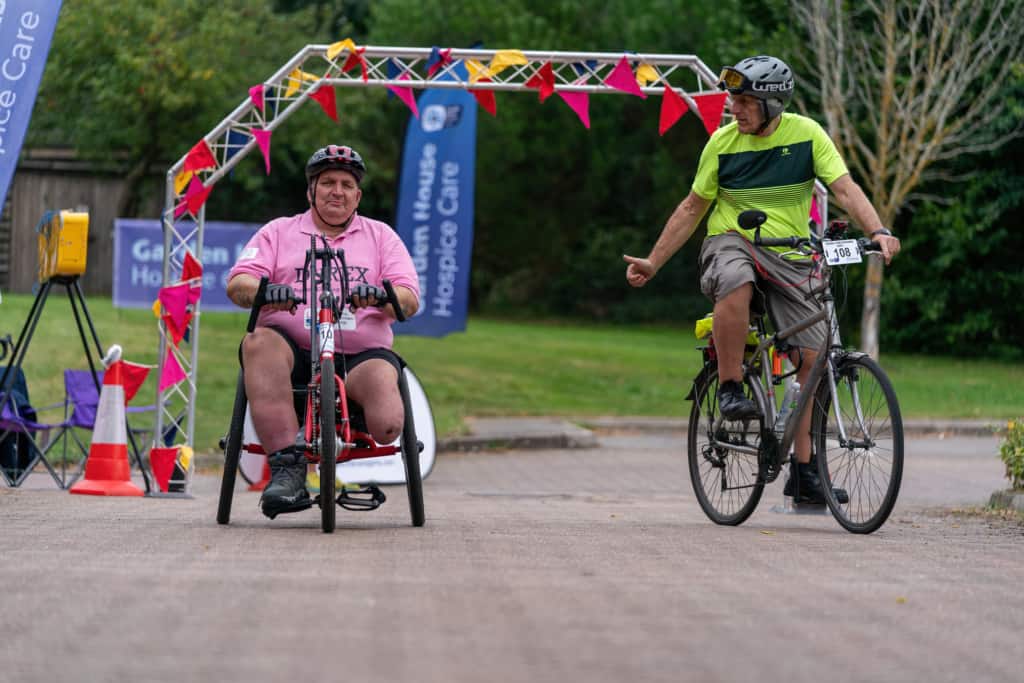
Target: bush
(1012,452)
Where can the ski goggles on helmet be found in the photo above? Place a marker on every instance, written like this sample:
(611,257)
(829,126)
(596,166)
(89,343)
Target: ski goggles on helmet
(735,82)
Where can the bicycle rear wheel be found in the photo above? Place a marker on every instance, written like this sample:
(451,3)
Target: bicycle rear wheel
(727,481)
(328,446)
(866,458)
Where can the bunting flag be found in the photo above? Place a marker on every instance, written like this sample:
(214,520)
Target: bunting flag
(405,94)
(476,70)
(579,102)
(196,194)
(815,211)
(337,48)
(295,80)
(356,58)
(585,68)
(486,99)
(181,181)
(645,74)
(161,462)
(263,141)
(672,108)
(174,299)
(711,106)
(503,59)
(438,60)
(133,375)
(543,81)
(199,157)
(172,372)
(324,95)
(191,270)
(256,95)
(621,78)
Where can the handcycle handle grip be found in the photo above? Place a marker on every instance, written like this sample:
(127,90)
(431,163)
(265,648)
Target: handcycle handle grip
(393,298)
(257,303)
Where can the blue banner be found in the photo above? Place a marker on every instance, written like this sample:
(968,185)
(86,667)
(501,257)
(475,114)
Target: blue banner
(435,208)
(26,28)
(139,261)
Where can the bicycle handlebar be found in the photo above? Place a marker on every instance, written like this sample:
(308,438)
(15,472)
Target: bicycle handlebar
(259,301)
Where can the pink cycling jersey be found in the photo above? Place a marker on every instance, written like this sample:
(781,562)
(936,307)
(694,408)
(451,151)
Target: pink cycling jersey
(373,253)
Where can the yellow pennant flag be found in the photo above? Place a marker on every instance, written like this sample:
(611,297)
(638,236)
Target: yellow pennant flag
(181,181)
(505,58)
(476,70)
(645,74)
(295,79)
(335,49)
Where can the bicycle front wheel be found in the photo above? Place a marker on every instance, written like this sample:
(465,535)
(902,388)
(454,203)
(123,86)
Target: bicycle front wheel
(723,455)
(858,443)
(328,446)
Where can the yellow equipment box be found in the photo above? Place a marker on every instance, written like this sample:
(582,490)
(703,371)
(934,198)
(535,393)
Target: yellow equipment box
(62,243)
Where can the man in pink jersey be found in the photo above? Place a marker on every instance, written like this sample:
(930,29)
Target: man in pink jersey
(276,354)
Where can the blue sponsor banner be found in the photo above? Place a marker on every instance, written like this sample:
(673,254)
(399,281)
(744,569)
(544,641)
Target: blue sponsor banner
(435,208)
(26,28)
(139,261)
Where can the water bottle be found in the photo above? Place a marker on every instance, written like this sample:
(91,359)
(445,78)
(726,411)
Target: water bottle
(788,404)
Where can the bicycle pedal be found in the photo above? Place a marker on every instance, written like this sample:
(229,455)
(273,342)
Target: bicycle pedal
(363,499)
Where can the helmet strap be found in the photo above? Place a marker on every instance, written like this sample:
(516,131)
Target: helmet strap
(764,124)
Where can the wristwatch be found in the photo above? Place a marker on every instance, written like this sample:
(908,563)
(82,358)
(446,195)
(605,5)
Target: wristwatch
(881,231)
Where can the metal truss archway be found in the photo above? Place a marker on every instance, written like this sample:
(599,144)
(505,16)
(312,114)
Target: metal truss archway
(357,67)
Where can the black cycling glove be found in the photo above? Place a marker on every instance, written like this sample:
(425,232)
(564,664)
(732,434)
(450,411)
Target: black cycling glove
(280,294)
(364,291)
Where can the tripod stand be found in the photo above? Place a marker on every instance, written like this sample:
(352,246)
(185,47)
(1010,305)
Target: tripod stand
(13,369)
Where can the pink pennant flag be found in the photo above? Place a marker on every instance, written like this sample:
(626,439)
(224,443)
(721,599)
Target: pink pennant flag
(815,211)
(174,300)
(405,94)
(161,461)
(256,95)
(579,102)
(263,140)
(622,78)
(544,81)
(711,107)
(324,95)
(172,372)
(672,108)
(199,157)
(196,194)
(486,99)
(180,208)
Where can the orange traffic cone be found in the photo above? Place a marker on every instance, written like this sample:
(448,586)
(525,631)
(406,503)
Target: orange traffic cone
(107,472)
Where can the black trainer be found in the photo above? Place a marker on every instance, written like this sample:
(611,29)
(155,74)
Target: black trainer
(286,491)
(732,403)
(804,486)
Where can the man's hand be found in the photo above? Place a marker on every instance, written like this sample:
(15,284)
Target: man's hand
(367,295)
(889,244)
(640,271)
(280,298)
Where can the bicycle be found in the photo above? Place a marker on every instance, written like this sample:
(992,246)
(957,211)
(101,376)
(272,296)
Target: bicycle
(329,433)
(856,425)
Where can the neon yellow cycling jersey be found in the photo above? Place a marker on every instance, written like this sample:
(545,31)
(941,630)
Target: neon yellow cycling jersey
(774,174)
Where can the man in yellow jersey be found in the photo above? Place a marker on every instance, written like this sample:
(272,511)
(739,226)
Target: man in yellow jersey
(765,159)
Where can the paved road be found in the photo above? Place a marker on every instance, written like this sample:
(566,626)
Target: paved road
(555,565)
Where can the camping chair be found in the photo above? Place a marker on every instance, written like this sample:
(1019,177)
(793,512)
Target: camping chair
(18,451)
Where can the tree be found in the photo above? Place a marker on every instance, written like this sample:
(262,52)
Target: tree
(906,86)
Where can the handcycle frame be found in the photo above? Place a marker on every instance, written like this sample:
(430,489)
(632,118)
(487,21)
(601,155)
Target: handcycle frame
(329,436)
(833,363)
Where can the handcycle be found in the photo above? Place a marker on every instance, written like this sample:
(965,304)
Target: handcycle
(856,426)
(330,431)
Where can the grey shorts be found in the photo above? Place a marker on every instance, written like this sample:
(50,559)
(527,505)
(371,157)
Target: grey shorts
(727,262)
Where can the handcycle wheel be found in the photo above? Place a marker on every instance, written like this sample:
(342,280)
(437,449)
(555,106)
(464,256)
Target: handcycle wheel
(411,456)
(232,452)
(328,446)
(727,482)
(869,465)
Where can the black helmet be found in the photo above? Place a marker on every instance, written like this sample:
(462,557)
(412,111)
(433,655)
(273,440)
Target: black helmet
(335,156)
(766,78)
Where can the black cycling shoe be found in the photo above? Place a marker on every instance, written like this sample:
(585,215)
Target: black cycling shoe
(732,403)
(804,486)
(286,491)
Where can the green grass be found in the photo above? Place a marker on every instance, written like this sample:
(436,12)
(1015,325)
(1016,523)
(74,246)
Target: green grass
(496,368)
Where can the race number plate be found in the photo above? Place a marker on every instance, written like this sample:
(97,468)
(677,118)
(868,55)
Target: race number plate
(838,252)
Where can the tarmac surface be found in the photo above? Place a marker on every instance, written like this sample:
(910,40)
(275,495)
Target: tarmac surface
(588,560)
